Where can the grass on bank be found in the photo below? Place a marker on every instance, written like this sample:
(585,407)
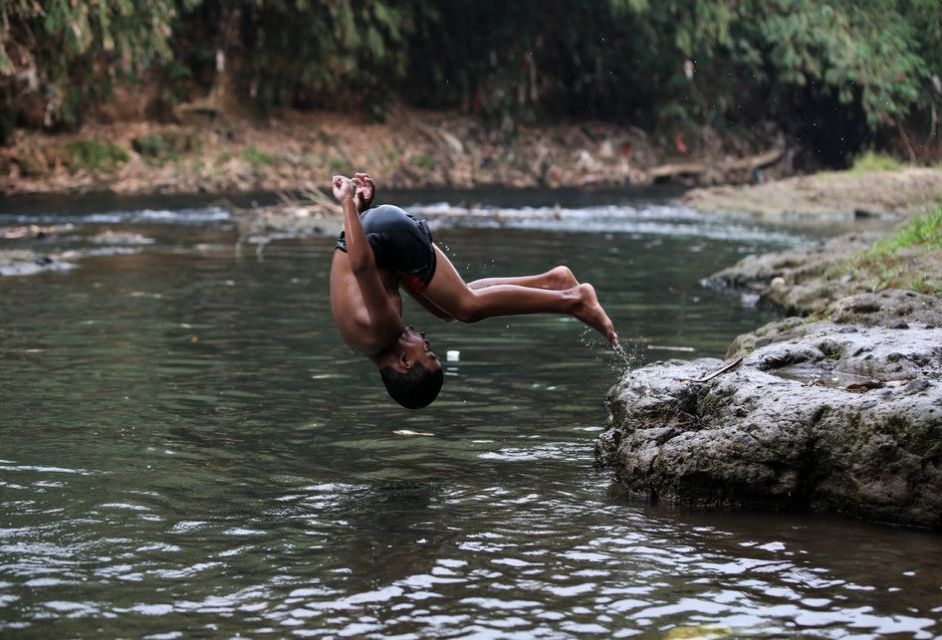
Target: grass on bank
(168,146)
(873,161)
(911,258)
(923,231)
(96,155)
(257,158)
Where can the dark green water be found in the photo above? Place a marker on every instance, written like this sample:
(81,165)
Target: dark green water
(187,449)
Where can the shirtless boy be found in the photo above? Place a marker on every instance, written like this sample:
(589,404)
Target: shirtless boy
(386,249)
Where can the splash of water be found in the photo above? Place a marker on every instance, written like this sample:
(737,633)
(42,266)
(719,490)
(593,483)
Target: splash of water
(623,359)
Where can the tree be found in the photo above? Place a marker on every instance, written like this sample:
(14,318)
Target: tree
(57,55)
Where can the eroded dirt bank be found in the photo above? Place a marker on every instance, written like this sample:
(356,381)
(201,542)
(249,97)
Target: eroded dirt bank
(411,149)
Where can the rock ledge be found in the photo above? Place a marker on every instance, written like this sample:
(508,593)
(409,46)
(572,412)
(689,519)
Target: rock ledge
(841,418)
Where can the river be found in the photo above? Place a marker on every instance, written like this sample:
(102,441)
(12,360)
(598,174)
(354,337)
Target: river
(187,448)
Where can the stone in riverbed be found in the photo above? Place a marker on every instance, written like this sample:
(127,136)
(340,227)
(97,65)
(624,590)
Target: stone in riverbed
(23,262)
(795,280)
(835,421)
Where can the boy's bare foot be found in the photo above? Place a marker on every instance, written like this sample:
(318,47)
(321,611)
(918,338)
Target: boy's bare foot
(591,312)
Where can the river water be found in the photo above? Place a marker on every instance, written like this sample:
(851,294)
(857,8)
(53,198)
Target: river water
(187,449)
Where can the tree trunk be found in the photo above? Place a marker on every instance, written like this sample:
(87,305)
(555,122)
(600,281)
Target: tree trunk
(224,95)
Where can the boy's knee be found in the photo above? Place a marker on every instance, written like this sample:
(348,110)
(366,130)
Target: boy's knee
(468,311)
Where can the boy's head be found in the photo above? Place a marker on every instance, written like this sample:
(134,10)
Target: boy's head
(411,372)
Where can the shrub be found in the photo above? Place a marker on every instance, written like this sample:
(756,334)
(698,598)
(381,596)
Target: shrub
(93,154)
(159,147)
(425,161)
(256,157)
(873,161)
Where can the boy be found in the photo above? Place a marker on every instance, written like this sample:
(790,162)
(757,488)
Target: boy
(386,249)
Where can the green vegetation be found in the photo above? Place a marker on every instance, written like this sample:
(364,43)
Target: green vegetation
(72,52)
(907,259)
(158,148)
(831,73)
(873,161)
(93,154)
(922,232)
(425,161)
(257,158)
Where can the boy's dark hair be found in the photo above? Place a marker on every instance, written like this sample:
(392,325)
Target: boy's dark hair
(414,389)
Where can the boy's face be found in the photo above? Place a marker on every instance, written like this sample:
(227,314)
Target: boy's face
(419,349)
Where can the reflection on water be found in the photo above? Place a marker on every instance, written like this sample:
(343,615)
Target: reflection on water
(187,448)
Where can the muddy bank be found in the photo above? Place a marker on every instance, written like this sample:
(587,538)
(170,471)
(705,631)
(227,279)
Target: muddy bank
(843,194)
(411,149)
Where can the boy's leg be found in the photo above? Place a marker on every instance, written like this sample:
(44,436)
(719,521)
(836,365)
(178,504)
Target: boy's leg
(556,278)
(449,292)
(429,306)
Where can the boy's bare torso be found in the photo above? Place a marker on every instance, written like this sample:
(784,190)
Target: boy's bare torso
(350,312)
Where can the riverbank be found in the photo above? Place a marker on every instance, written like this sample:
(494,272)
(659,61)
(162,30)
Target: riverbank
(835,408)
(856,193)
(206,153)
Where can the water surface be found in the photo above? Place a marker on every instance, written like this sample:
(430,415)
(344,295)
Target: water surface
(186,448)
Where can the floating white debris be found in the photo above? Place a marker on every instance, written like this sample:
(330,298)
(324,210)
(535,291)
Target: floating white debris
(664,347)
(452,356)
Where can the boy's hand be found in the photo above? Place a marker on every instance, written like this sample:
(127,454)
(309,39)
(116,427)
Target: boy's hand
(343,188)
(364,191)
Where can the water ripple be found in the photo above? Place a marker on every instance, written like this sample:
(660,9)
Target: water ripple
(205,458)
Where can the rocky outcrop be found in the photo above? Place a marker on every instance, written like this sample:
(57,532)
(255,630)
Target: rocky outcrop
(24,262)
(892,309)
(798,281)
(28,261)
(842,418)
(837,408)
(806,281)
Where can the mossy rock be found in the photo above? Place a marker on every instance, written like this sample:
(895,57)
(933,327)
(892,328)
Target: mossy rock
(93,154)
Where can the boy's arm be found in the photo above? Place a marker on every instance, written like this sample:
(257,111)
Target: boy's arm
(362,261)
(358,247)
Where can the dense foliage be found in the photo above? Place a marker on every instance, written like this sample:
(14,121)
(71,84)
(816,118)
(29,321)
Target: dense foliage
(848,67)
